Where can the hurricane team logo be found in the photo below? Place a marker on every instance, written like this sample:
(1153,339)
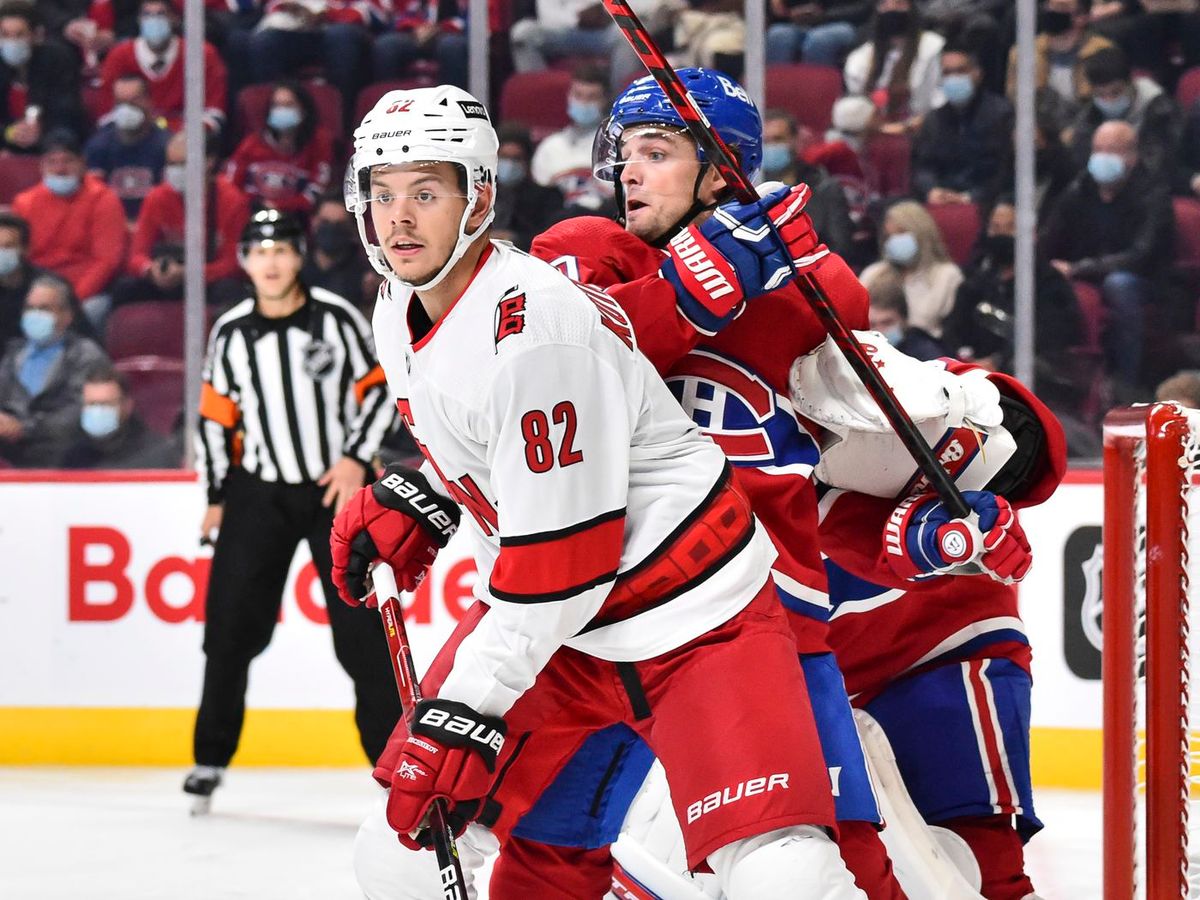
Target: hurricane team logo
(753,424)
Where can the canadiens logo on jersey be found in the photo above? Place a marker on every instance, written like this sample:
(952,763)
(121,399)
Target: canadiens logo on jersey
(753,424)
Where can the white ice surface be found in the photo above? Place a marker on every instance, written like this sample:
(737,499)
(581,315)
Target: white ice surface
(286,834)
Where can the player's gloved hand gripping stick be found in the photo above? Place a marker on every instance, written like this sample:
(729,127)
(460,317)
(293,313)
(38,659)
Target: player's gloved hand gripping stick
(720,156)
(388,597)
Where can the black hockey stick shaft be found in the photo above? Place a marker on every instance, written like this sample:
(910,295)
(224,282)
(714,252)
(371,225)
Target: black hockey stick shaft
(383,579)
(720,155)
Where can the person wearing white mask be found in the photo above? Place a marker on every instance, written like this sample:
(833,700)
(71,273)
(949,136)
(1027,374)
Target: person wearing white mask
(41,376)
(76,224)
(961,145)
(913,249)
(157,53)
(111,433)
(39,81)
(524,208)
(129,150)
(155,269)
(1120,96)
(16,274)
(564,159)
(285,165)
(1126,248)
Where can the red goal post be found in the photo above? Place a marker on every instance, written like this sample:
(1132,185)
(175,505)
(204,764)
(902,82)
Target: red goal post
(1151,732)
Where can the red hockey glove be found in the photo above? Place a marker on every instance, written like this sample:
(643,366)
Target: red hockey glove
(736,255)
(922,539)
(451,753)
(399,519)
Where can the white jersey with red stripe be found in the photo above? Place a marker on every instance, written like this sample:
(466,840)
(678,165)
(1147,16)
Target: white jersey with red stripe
(602,518)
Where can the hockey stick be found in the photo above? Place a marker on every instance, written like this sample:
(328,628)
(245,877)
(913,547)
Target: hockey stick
(383,581)
(720,155)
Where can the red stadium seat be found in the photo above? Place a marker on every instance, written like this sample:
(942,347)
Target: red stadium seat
(252,102)
(156,383)
(370,95)
(537,100)
(959,225)
(153,326)
(1187,91)
(806,91)
(17,172)
(1091,309)
(889,157)
(1187,238)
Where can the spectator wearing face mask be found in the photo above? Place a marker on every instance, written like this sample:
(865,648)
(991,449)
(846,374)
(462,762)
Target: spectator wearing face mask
(157,54)
(827,206)
(76,224)
(41,376)
(899,68)
(155,267)
(1114,226)
(285,166)
(16,274)
(1119,96)
(111,433)
(912,248)
(980,329)
(130,150)
(523,207)
(888,314)
(563,160)
(1064,40)
(39,81)
(334,260)
(962,143)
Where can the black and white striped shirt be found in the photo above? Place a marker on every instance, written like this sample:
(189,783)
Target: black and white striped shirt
(286,398)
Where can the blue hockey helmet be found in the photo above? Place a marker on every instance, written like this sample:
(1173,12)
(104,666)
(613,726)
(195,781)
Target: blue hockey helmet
(723,101)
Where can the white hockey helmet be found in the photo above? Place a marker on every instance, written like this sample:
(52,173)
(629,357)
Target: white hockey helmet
(438,124)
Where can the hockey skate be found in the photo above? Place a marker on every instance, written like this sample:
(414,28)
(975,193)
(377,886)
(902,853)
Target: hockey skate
(201,782)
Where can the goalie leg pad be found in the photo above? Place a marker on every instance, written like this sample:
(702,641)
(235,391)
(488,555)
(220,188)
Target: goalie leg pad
(798,863)
(387,870)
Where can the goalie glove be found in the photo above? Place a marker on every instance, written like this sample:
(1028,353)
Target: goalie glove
(922,539)
(399,519)
(451,753)
(742,251)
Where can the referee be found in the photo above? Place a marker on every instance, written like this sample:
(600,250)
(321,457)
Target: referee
(292,409)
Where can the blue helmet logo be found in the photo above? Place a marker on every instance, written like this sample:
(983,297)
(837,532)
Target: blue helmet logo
(722,100)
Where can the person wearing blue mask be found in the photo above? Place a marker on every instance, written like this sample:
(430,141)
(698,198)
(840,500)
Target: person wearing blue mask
(1114,227)
(1120,96)
(285,165)
(112,435)
(39,81)
(41,377)
(129,150)
(827,206)
(524,208)
(913,251)
(961,144)
(563,160)
(16,274)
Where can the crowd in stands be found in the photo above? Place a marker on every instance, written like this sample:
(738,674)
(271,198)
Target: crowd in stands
(897,113)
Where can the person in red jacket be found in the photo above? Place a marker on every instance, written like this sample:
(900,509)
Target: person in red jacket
(156,258)
(285,166)
(76,223)
(157,54)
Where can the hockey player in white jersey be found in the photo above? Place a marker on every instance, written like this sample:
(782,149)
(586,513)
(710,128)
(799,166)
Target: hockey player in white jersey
(622,575)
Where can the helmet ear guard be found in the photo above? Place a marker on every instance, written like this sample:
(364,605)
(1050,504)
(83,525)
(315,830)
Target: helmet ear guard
(425,125)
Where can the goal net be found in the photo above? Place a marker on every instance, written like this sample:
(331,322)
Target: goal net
(1151,713)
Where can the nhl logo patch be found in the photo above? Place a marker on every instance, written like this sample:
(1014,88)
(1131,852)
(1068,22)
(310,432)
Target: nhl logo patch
(318,360)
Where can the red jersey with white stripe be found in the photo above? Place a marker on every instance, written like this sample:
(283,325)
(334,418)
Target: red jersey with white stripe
(602,519)
(949,618)
(734,385)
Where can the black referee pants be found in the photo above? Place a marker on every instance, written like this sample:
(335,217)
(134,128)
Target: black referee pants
(261,527)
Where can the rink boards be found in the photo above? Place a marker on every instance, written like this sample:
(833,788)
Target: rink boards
(101,623)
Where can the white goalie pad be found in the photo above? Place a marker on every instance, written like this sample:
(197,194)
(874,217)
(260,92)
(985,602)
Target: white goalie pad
(860,451)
